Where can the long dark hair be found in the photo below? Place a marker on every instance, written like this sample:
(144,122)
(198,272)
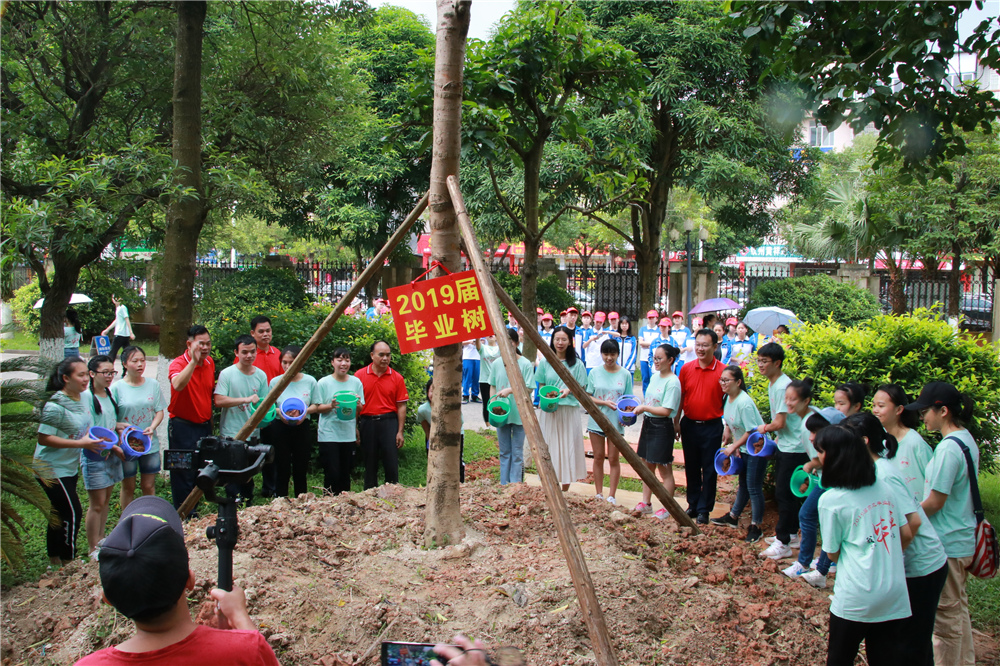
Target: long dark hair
(847,462)
(961,410)
(130,351)
(93,365)
(880,442)
(57,378)
(737,373)
(571,349)
(909,418)
(515,338)
(74,319)
(855,392)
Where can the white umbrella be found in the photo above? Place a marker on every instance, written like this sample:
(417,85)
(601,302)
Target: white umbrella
(765,320)
(75,299)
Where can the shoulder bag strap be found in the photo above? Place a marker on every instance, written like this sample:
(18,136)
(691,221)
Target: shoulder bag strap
(977,503)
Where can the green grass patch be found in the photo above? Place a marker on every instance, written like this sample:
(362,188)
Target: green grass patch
(984,595)
(25,342)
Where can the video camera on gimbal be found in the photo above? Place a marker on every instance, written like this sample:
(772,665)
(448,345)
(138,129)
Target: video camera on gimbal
(221,461)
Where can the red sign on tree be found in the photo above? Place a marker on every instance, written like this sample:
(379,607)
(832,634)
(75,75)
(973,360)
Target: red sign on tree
(438,312)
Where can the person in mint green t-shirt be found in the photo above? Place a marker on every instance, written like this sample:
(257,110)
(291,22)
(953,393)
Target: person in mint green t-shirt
(607,383)
(290,435)
(661,398)
(140,404)
(510,435)
(488,353)
(337,437)
(948,504)
(561,428)
(240,386)
(786,424)
(62,435)
(100,476)
(742,418)
(924,559)
(864,531)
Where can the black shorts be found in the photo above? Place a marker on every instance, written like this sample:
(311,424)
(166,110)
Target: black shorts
(656,440)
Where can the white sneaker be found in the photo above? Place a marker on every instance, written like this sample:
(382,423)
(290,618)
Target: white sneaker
(777,551)
(612,500)
(795,570)
(95,554)
(814,578)
(598,496)
(832,570)
(794,543)
(643,508)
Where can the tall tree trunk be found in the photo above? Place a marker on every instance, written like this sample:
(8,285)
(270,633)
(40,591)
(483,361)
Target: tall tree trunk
(647,258)
(532,239)
(61,287)
(955,279)
(443,516)
(897,286)
(185,216)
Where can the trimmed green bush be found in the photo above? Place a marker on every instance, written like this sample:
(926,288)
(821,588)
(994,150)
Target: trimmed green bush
(549,294)
(295,327)
(814,299)
(99,280)
(242,295)
(909,350)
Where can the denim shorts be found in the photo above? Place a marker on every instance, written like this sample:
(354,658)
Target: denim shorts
(100,474)
(147,464)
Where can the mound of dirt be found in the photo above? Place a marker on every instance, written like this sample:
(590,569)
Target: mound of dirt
(328,578)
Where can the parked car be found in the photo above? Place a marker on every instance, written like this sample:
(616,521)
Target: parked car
(977,311)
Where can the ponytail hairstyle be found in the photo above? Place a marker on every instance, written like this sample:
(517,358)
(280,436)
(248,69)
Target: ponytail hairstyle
(961,409)
(847,462)
(93,365)
(803,387)
(855,392)
(909,418)
(74,319)
(737,373)
(880,443)
(57,378)
(129,352)
(515,338)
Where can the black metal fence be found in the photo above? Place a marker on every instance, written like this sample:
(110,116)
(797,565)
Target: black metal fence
(324,280)
(920,290)
(739,282)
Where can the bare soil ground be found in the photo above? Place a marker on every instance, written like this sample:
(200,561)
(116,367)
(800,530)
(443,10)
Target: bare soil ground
(328,578)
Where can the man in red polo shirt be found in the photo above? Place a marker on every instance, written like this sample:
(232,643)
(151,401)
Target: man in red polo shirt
(192,383)
(382,416)
(701,426)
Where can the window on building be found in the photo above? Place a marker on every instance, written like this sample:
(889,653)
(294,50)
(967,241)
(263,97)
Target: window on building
(819,136)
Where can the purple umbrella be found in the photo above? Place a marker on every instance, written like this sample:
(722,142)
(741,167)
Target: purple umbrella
(715,305)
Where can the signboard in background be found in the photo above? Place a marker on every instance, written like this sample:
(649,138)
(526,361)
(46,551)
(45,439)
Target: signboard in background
(442,311)
(102,343)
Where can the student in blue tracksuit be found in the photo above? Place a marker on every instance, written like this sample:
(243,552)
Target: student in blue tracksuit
(662,338)
(742,348)
(647,334)
(681,338)
(626,339)
(545,330)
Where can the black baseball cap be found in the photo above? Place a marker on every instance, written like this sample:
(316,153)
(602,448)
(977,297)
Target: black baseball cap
(144,562)
(936,394)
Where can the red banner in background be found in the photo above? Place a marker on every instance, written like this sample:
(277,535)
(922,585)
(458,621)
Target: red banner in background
(438,312)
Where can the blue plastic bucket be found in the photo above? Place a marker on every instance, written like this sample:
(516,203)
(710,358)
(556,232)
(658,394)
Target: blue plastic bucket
(761,445)
(292,405)
(625,416)
(727,465)
(144,443)
(109,439)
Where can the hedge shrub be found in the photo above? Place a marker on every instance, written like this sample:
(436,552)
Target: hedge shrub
(295,327)
(242,295)
(549,293)
(99,280)
(909,350)
(815,298)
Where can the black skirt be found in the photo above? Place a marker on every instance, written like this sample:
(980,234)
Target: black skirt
(656,440)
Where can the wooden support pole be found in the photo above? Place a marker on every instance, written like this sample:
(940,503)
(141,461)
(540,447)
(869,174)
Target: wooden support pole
(610,431)
(590,608)
(317,337)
